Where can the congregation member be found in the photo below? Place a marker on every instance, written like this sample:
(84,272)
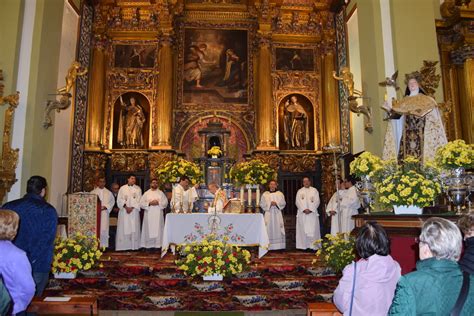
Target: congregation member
(38,223)
(107,202)
(272,203)
(466,224)
(128,223)
(368,285)
(307,218)
(438,286)
(153,202)
(114,188)
(15,269)
(220,199)
(341,213)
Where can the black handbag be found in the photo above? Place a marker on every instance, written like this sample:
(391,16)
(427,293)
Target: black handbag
(457,309)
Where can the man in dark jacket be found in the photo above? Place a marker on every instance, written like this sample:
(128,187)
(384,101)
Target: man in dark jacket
(466,224)
(37,231)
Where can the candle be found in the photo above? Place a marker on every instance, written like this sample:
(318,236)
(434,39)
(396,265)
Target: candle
(242,198)
(385,96)
(250,196)
(257,202)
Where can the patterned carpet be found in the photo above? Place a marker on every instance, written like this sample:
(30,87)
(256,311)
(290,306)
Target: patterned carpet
(144,281)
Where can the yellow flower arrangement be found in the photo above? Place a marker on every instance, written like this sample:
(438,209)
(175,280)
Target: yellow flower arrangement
(365,164)
(212,256)
(252,172)
(77,253)
(336,251)
(408,183)
(455,154)
(172,170)
(214,151)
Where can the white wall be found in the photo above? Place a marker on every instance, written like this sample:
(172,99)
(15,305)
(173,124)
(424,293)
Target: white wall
(63,120)
(357,122)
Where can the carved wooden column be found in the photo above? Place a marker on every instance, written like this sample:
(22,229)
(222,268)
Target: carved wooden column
(266,134)
(164,102)
(96,108)
(331,117)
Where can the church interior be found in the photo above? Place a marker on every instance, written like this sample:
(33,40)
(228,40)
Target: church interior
(231,102)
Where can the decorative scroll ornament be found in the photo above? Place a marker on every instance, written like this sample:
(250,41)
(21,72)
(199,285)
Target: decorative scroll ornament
(273,160)
(129,162)
(94,167)
(298,163)
(75,70)
(156,160)
(131,78)
(9,155)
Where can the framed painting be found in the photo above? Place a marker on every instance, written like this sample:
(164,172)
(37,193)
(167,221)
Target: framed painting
(134,56)
(215,66)
(297,59)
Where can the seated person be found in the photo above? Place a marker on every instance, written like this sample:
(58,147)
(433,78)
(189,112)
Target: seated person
(466,224)
(15,269)
(376,275)
(435,287)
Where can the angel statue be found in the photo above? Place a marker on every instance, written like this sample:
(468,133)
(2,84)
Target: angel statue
(73,72)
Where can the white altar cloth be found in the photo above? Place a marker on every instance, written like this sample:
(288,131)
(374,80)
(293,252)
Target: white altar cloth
(241,229)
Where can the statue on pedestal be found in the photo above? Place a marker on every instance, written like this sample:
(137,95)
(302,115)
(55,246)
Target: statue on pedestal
(131,123)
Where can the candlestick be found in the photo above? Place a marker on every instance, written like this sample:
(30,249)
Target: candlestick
(249,196)
(242,198)
(257,202)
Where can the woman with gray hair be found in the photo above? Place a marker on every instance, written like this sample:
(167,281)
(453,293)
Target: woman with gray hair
(438,287)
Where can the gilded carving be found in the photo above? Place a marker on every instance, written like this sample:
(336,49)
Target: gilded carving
(129,161)
(122,79)
(298,163)
(272,159)
(328,179)
(94,167)
(157,160)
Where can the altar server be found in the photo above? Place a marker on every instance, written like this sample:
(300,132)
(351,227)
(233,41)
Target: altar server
(307,218)
(128,223)
(107,202)
(153,202)
(220,199)
(183,196)
(273,203)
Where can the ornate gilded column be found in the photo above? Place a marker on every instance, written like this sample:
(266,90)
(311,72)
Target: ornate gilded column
(331,117)
(96,104)
(164,102)
(467,107)
(265,117)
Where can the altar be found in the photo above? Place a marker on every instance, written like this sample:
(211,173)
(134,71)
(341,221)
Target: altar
(244,230)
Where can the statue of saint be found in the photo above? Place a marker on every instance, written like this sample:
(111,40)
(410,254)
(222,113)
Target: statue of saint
(295,124)
(415,127)
(131,122)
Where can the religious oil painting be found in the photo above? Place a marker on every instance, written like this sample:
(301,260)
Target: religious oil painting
(135,56)
(215,66)
(296,123)
(131,121)
(294,59)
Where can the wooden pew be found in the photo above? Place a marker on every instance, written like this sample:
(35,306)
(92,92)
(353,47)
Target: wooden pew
(85,305)
(323,309)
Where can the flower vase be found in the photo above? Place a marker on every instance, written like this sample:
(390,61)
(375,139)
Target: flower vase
(407,210)
(214,156)
(213,277)
(65,275)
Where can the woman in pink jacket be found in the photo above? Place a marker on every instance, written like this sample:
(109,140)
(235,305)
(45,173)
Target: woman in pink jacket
(367,286)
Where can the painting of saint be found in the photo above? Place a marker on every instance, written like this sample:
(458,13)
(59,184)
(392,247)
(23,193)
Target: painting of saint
(215,66)
(135,56)
(296,123)
(130,118)
(294,59)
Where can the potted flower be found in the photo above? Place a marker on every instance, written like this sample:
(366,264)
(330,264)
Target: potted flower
(171,171)
(336,252)
(215,151)
(365,165)
(77,253)
(212,259)
(455,155)
(252,172)
(408,186)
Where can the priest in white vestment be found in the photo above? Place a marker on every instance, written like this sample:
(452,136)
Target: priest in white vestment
(128,222)
(220,199)
(153,202)
(272,203)
(307,218)
(183,196)
(107,202)
(349,204)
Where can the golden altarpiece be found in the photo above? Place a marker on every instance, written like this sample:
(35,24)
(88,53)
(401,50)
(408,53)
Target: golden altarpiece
(160,71)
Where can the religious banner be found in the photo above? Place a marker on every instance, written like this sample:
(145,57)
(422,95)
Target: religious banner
(82,209)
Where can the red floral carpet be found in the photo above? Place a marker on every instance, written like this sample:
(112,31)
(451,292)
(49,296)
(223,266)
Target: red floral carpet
(144,281)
